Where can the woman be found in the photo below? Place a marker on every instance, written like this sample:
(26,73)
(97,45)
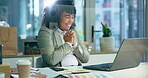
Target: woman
(60,45)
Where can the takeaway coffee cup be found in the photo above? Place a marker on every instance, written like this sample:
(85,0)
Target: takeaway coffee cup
(23,67)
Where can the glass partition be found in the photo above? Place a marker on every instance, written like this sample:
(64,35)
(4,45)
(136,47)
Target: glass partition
(124,17)
(26,15)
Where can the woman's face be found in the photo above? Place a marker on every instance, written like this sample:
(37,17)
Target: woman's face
(66,20)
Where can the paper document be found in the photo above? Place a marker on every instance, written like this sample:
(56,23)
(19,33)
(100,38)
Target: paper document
(48,72)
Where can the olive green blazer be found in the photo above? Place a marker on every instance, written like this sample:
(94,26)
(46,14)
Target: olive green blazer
(53,50)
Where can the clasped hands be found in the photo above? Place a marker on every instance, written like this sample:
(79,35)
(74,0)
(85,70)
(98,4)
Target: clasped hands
(70,37)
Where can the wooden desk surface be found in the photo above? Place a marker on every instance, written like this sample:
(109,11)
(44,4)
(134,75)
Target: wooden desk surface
(136,72)
(19,55)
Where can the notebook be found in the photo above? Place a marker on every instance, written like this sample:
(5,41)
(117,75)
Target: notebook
(129,55)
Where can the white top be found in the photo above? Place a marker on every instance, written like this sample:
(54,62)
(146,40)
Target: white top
(70,59)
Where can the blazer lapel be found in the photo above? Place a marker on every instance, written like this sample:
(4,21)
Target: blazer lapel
(58,40)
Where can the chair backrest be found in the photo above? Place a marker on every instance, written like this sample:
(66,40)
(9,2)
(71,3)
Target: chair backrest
(39,62)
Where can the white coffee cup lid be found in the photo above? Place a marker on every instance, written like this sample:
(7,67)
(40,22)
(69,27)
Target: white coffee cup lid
(23,62)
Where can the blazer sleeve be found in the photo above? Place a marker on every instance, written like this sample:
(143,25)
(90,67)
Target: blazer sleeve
(80,51)
(50,54)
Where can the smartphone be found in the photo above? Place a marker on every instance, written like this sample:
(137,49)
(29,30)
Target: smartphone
(57,69)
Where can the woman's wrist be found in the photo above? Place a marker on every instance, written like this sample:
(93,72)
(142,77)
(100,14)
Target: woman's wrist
(75,45)
(69,43)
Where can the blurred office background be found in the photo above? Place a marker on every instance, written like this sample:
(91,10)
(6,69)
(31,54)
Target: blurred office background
(126,18)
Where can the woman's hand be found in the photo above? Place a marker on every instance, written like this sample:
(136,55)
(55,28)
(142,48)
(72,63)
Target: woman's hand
(70,37)
(74,39)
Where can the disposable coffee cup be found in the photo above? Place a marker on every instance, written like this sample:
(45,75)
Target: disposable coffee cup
(23,67)
(2,75)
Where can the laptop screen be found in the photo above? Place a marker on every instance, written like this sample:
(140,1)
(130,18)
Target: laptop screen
(130,53)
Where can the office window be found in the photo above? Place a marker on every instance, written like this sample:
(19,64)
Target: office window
(26,15)
(124,17)
(79,20)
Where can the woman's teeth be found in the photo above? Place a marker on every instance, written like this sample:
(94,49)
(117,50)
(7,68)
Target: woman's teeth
(69,25)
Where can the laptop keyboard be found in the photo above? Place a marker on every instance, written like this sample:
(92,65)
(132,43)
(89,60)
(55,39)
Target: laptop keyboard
(105,66)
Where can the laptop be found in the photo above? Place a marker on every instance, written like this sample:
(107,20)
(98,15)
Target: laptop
(129,55)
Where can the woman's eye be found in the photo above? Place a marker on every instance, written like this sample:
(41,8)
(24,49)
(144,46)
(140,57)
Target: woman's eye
(67,17)
(73,17)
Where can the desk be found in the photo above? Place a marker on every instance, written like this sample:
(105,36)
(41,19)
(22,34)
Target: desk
(12,59)
(137,72)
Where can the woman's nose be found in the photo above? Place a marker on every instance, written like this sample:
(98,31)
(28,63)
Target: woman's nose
(70,19)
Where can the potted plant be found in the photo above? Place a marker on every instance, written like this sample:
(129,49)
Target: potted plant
(107,42)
